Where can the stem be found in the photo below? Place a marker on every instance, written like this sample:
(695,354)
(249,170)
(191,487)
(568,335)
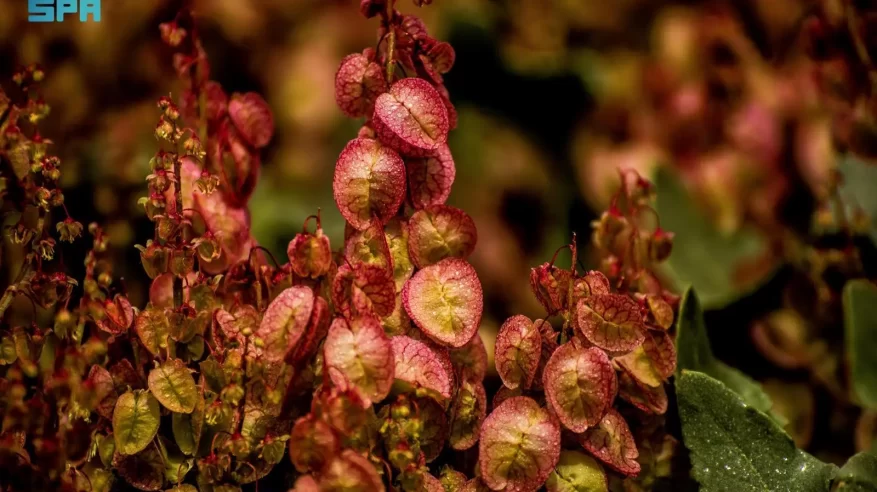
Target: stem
(391,41)
(391,48)
(178,197)
(572,280)
(7,298)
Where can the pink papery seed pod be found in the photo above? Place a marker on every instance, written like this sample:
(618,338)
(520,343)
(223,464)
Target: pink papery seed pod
(520,446)
(579,385)
(358,83)
(411,118)
(612,443)
(440,232)
(369,183)
(252,118)
(445,301)
(518,349)
(430,178)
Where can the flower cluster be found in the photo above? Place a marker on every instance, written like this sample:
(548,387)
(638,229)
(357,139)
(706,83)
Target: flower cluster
(557,409)
(29,185)
(365,363)
(400,372)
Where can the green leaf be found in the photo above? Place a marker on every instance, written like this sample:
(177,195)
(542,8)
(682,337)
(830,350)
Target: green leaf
(7,351)
(694,353)
(187,428)
(736,447)
(577,472)
(173,385)
(135,421)
(859,474)
(860,326)
(176,466)
(106,448)
(857,189)
(99,479)
(183,488)
(703,256)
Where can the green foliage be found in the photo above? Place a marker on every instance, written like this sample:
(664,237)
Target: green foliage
(703,256)
(859,474)
(577,472)
(694,354)
(735,447)
(135,421)
(173,386)
(860,326)
(857,189)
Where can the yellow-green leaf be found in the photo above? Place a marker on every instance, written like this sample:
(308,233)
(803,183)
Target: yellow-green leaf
(173,386)
(577,472)
(135,421)
(860,325)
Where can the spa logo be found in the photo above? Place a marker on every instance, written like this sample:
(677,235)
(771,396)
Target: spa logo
(55,10)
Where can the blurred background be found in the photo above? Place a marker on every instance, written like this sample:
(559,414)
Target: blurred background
(714,101)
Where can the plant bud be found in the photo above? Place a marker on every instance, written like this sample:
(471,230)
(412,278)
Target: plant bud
(172,34)
(46,248)
(551,286)
(182,262)
(661,245)
(155,258)
(608,228)
(104,279)
(273,449)
(310,255)
(69,229)
(232,394)
(164,130)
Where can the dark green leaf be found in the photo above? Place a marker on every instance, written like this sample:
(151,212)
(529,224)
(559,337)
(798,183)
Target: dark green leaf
(735,447)
(703,256)
(187,428)
(860,325)
(857,189)
(694,353)
(859,474)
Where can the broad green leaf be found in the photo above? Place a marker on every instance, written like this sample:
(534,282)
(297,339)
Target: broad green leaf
(187,428)
(694,353)
(135,421)
(859,474)
(577,472)
(720,266)
(152,327)
(860,326)
(176,466)
(857,189)
(106,448)
(736,447)
(173,386)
